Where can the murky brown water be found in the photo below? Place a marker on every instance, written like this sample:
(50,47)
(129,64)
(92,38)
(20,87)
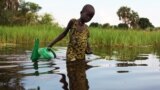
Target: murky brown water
(117,69)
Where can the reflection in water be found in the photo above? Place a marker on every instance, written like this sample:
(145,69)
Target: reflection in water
(9,79)
(77,75)
(123,71)
(46,65)
(64,82)
(129,64)
(35,65)
(141,58)
(9,76)
(123,54)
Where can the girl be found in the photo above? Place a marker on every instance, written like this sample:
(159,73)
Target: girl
(78,35)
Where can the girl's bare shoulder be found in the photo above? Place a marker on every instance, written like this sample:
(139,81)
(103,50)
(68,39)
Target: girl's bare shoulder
(71,22)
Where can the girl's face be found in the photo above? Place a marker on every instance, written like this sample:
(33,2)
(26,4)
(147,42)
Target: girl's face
(86,15)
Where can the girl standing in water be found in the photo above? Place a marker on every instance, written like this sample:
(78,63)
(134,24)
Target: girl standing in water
(78,44)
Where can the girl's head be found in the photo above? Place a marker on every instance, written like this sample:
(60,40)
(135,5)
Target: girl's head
(87,13)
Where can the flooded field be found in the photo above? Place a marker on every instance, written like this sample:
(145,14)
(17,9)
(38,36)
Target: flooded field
(107,69)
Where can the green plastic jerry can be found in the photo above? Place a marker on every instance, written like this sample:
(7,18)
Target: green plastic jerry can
(41,53)
(46,53)
(35,55)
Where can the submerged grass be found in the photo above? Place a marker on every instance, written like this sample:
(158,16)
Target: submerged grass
(98,36)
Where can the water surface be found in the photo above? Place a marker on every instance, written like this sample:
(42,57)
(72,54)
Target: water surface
(107,69)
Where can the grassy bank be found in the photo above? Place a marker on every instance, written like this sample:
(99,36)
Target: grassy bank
(102,37)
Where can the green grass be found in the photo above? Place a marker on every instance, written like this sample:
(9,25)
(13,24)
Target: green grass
(121,38)
(98,36)
(27,34)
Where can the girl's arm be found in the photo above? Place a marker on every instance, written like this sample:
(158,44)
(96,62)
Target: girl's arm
(88,49)
(62,35)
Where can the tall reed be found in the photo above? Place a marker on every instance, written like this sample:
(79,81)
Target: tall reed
(111,37)
(27,34)
(98,36)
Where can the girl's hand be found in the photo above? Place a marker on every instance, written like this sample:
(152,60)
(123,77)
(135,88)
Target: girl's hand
(49,48)
(88,51)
